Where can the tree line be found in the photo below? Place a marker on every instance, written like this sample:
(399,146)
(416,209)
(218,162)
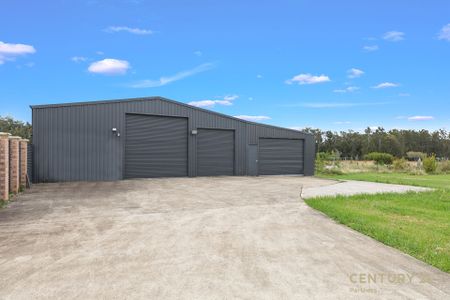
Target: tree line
(350,144)
(15,127)
(354,145)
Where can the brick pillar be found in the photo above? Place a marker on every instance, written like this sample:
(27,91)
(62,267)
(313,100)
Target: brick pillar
(4,166)
(23,162)
(14,164)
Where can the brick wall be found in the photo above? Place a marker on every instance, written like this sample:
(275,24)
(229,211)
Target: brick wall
(4,166)
(23,162)
(13,164)
(14,180)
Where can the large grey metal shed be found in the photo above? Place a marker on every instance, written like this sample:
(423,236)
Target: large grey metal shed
(158,137)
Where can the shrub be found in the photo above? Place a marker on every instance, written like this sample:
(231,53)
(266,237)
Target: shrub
(444,166)
(400,164)
(3,203)
(415,155)
(333,169)
(326,164)
(430,164)
(380,158)
(319,163)
(333,155)
(324,156)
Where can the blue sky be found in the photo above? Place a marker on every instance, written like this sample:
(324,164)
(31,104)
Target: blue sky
(327,64)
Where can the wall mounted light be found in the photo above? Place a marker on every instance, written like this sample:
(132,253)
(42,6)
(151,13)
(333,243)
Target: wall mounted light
(194,132)
(115,132)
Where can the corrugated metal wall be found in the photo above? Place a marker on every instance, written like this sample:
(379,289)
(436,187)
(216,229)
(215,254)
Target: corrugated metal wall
(75,142)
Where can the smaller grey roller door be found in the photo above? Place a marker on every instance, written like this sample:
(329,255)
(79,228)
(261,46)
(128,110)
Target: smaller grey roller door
(280,156)
(155,146)
(215,152)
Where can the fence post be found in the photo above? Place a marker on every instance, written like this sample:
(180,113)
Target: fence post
(4,166)
(23,162)
(14,164)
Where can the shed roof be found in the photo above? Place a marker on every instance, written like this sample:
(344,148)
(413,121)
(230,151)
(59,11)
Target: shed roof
(152,98)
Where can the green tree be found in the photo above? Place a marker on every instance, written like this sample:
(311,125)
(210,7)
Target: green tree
(15,127)
(395,142)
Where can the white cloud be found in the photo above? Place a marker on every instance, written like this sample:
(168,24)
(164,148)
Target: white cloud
(259,76)
(384,85)
(227,101)
(109,66)
(230,97)
(421,118)
(394,36)
(354,73)
(252,118)
(203,103)
(78,58)
(404,94)
(308,79)
(352,88)
(147,83)
(198,53)
(347,89)
(138,31)
(16,49)
(371,48)
(99,53)
(444,34)
(342,122)
(9,52)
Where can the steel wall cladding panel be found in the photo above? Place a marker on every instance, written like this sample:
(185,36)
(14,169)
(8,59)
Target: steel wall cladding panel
(74,142)
(155,146)
(215,152)
(280,156)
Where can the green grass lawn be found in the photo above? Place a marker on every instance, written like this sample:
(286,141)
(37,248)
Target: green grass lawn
(415,223)
(434,181)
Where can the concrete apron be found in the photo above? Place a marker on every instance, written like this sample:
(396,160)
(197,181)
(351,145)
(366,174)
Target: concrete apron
(193,238)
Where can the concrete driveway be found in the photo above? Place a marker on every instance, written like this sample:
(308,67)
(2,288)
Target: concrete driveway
(195,238)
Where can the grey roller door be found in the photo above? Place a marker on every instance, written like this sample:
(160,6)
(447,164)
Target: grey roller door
(215,152)
(155,146)
(280,156)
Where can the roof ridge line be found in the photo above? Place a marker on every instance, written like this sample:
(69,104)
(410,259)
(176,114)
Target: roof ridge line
(150,98)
